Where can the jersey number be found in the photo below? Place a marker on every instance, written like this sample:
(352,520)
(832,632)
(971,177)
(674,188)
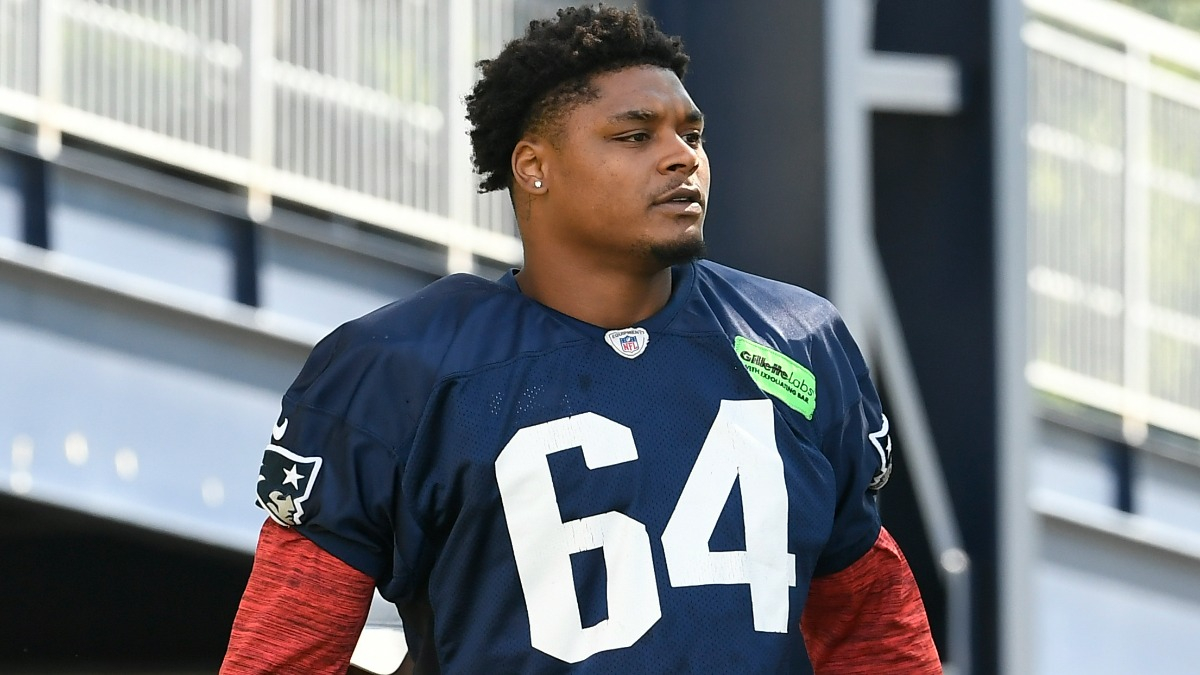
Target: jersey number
(740,445)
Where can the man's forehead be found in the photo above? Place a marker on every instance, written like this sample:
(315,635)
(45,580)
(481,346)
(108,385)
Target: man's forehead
(641,93)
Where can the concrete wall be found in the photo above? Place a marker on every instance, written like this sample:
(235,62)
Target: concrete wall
(1115,591)
(137,390)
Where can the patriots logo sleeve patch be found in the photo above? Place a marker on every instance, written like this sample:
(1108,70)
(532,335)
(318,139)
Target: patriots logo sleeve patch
(285,481)
(882,441)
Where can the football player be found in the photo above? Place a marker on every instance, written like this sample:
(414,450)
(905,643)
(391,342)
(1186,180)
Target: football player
(618,458)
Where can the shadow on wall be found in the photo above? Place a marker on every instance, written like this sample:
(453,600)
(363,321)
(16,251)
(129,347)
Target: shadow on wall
(84,594)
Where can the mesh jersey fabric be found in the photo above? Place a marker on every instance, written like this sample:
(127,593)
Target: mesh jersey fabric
(517,487)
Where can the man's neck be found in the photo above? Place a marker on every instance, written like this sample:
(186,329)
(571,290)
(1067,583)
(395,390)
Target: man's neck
(602,297)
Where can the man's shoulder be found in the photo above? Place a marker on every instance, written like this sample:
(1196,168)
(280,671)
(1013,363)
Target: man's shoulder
(786,324)
(450,298)
(745,292)
(411,340)
(429,320)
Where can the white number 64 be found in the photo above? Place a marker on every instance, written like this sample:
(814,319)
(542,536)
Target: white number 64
(740,445)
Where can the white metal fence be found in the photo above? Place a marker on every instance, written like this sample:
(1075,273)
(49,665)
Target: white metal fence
(1114,208)
(352,106)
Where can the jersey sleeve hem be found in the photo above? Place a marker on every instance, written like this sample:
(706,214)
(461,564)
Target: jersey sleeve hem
(366,562)
(832,563)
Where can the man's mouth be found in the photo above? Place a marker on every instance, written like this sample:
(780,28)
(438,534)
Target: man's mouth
(686,198)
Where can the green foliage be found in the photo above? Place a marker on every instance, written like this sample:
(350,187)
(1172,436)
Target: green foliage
(1184,13)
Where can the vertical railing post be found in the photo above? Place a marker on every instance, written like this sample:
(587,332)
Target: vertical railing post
(1136,186)
(460,186)
(50,48)
(860,289)
(260,99)
(849,133)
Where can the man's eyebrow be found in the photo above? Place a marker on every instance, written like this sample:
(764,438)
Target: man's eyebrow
(644,115)
(639,115)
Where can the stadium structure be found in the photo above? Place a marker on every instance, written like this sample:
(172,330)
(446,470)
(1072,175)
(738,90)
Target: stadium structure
(1002,198)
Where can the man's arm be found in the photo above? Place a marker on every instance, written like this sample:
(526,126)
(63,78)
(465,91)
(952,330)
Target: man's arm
(869,618)
(302,611)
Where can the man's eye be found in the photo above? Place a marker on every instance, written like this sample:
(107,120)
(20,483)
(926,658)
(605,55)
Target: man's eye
(694,139)
(637,137)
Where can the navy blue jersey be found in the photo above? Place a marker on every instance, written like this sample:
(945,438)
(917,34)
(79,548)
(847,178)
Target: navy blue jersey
(538,494)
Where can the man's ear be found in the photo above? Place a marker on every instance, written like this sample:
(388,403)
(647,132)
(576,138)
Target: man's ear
(529,166)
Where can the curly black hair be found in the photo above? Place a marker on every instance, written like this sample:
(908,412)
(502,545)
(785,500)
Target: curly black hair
(539,77)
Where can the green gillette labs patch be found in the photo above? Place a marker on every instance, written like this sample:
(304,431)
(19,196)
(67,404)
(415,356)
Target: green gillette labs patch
(779,375)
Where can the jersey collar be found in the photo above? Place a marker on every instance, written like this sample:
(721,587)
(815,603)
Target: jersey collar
(682,281)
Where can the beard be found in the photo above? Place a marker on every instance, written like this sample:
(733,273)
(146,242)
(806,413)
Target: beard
(683,250)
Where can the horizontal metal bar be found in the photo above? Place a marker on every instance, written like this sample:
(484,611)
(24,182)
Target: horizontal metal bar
(1107,302)
(912,83)
(143,142)
(34,262)
(385,135)
(354,95)
(1066,288)
(1108,62)
(1071,147)
(1146,532)
(196,529)
(150,31)
(1125,25)
(1173,324)
(1176,184)
(1094,57)
(497,246)
(19,104)
(1113,398)
(1108,160)
(414,256)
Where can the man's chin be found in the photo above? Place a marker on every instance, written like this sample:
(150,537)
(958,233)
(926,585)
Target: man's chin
(679,251)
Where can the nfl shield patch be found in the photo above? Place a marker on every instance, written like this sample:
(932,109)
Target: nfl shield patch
(628,342)
(284,482)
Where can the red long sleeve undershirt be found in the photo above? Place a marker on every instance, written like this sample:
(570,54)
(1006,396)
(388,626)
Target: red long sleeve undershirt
(303,610)
(869,618)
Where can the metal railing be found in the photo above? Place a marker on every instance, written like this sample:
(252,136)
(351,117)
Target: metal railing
(350,106)
(862,81)
(1114,212)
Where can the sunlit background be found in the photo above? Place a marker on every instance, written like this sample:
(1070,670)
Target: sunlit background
(192,192)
